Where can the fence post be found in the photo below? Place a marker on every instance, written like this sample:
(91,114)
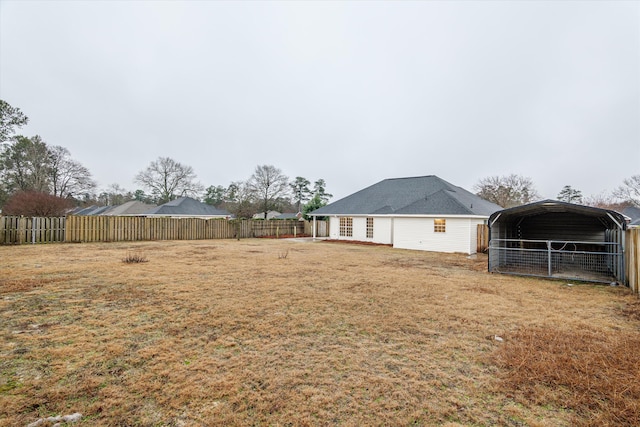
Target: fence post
(34,224)
(68,223)
(549,256)
(22,230)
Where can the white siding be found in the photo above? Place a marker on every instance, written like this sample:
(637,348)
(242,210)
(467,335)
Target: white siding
(334,227)
(414,233)
(382,229)
(418,234)
(359,229)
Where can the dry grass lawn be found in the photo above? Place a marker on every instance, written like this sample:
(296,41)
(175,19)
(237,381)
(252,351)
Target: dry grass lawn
(281,332)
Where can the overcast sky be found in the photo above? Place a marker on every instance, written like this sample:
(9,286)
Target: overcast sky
(351,92)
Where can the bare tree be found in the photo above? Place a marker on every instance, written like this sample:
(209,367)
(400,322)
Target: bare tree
(115,195)
(68,177)
(629,191)
(507,191)
(267,185)
(167,180)
(604,201)
(240,201)
(235,198)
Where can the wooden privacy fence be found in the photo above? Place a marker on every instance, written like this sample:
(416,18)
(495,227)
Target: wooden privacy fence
(482,238)
(18,230)
(116,229)
(632,259)
(134,228)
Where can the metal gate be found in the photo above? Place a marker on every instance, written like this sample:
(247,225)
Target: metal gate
(588,261)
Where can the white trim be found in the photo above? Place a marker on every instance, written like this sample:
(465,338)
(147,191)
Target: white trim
(443,215)
(617,223)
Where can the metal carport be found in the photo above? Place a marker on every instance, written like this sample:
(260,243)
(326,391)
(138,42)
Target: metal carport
(559,240)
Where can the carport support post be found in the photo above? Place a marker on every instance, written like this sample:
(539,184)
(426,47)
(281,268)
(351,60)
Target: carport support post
(549,256)
(314,227)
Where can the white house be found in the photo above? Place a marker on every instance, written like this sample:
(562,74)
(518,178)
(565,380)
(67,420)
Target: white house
(423,213)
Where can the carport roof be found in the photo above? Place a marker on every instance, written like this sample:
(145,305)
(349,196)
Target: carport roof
(556,206)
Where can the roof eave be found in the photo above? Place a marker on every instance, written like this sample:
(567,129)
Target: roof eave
(407,215)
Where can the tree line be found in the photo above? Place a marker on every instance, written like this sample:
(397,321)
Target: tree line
(42,180)
(515,190)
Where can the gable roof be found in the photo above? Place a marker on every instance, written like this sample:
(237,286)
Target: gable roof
(132,207)
(187,206)
(289,215)
(632,212)
(423,195)
(91,210)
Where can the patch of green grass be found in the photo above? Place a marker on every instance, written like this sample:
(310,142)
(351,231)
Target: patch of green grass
(10,384)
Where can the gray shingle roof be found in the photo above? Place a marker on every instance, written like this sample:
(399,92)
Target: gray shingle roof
(633,213)
(92,210)
(132,207)
(423,195)
(187,206)
(287,215)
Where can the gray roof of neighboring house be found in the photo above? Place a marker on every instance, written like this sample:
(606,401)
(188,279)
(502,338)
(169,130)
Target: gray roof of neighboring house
(132,207)
(81,211)
(187,206)
(287,215)
(632,212)
(91,210)
(423,195)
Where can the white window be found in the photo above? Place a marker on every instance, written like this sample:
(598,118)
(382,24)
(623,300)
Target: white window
(346,226)
(439,225)
(369,228)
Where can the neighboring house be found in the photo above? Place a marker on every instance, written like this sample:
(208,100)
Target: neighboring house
(423,213)
(270,215)
(132,207)
(289,215)
(633,213)
(90,210)
(186,207)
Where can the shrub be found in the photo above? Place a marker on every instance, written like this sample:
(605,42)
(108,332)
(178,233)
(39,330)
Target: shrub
(34,203)
(134,259)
